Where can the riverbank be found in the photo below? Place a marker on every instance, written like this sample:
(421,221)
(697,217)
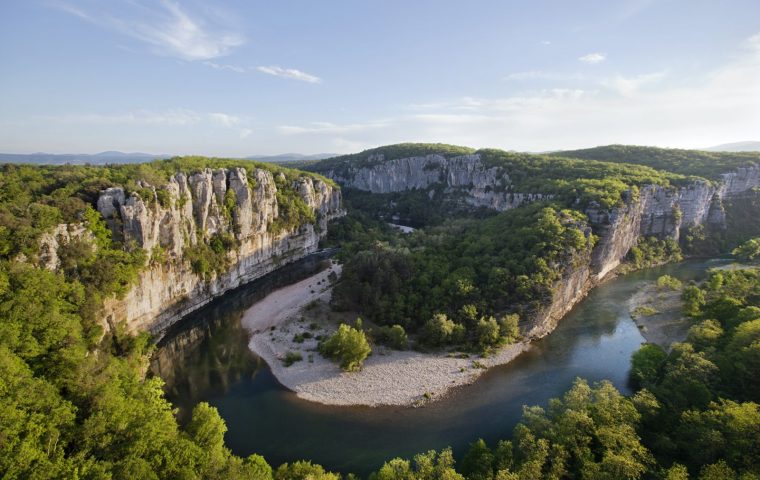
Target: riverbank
(658,314)
(289,322)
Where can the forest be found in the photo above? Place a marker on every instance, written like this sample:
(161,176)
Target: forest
(75,401)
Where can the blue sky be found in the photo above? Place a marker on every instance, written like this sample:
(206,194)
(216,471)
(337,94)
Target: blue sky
(260,77)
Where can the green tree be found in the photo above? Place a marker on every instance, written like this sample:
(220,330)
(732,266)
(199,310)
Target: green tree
(693,300)
(747,251)
(303,470)
(477,463)
(348,346)
(438,330)
(646,364)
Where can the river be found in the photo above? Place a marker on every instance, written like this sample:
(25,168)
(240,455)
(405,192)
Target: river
(206,358)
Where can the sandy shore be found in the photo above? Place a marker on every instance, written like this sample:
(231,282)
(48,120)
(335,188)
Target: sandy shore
(658,315)
(280,322)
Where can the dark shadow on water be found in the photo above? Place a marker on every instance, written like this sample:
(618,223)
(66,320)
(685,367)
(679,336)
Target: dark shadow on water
(208,360)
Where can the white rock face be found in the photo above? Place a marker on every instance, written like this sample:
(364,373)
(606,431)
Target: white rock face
(482,186)
(62,235)
(195,211)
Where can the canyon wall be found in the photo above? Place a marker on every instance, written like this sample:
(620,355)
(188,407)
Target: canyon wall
(652,210)
(481,185)
(211,204)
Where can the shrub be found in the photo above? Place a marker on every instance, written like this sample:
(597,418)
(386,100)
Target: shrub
(348,346)
(394,337)
(666,281)
(291,358)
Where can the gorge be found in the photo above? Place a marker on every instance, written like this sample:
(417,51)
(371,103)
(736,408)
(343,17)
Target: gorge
(176,251)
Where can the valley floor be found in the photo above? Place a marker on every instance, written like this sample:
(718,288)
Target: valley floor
(279,323)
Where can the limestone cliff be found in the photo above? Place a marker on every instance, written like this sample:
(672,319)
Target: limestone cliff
(652,210)
(481,185)
(199,207)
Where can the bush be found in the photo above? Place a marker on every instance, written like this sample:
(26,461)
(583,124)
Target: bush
(666,281)
(348,346)
(747,251)
(438,331)
(394,337)
(291,358)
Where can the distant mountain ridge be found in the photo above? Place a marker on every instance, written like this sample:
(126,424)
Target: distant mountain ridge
(749,146)
(112,156)
(101,158)
(291,157)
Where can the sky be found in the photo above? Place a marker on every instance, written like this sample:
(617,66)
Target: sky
(246,77)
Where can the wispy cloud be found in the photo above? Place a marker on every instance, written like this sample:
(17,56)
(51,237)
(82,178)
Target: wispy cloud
(290,73)
(231,68)
(331,128)
(172,117)
(593,58)
(167,28)
(629,85)
(224,119)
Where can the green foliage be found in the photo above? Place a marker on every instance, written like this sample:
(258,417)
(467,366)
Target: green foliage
(427,466)
(747,251)
(651,251)
(646,364)
(464,263)
(291,358)
(693,300)
(668,282)
(303,470)
(210,258)
(708,418)
(394,336)
(348,346)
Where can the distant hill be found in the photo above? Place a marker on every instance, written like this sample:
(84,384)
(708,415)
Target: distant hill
(291,157)
(79,158)
(110,157)
(736,147)
(686,162)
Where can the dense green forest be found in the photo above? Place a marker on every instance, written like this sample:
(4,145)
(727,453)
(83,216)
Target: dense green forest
(467,269)
(75,403)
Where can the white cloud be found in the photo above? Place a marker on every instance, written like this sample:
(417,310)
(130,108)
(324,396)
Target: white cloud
(218,66)
(245,132)
(545,42)
(168,29)
(290,73)
(593,58)
(647,109)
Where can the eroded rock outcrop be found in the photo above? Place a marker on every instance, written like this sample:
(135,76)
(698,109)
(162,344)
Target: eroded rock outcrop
(195,208)
(480,185)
